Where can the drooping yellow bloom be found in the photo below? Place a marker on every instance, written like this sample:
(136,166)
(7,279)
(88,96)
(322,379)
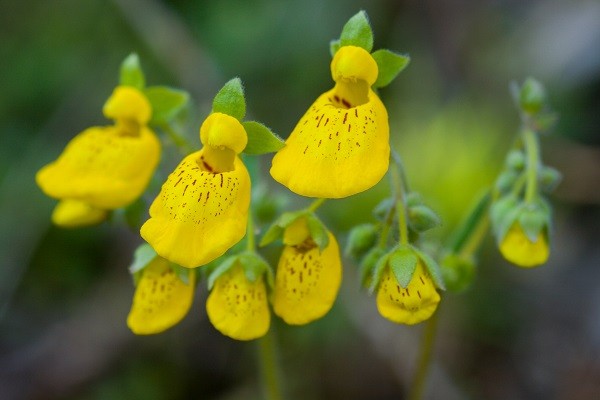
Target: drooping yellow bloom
(104,168)
(340,147)
(408,306)
(238,307)
(161,299)
(307,280)
(517,248)
(202,208)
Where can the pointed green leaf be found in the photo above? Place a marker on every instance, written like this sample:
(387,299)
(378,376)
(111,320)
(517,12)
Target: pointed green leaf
(272,234)
(433,268)
(131,73)
(367,266)
(183,273)
(357,32)
(318,232)
(390,64)
(225,266)
(287,218)
(261,140)
(230,100)
(334,46)
(403,263)
(166,103)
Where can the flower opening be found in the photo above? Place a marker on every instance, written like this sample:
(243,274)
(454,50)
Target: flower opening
(519,249)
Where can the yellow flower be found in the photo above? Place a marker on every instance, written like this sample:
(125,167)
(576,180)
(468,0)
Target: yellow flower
(202,208)
(408,306)
(307,279)
(340,147)
(517,248)
(161,299)
(104,168)
(238,307)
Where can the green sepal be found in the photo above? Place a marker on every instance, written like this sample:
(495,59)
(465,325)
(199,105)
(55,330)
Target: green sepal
(390,64)
(403,262)
(275,231)
(421,218)
(261,140)
(357,32)
(142,256)
(506,180)
(458,272)
(378,270)
(367,266)
(222,268)
(255,266)
(230,100)
(360,240)
(413,199)
(533,219)
(182,273)
(317,230)
(166,103)
(532,96)
(131,73)
(334,46)
(503,213)
(432,267)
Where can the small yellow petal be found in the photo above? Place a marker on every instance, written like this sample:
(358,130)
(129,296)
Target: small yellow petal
(352,63)
(128,103)
(336,150)
(198,215)
(222,130)
(161,299)
(408,306)
(307,282)
(237,307)
(74,214)
(517,248)
(102,167)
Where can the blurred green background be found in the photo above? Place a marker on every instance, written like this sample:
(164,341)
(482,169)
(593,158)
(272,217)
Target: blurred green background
(516,334)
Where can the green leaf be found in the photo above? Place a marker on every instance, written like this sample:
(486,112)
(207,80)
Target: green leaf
(357,32)
(225,266)
(390,64)
(261,140)
(403,263)
(317,230)
(166,103)
(433,268)
(287,218)
(378,270)
(131,73)
(230,100)
(272,234)
(503,214)
(334,46)
(533,219)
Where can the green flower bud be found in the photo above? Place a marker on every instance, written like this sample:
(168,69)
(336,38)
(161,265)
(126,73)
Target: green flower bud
(458,272)
(361,239)
(515,160)
(532,96)
(506,180)
(422,218)
(549,178)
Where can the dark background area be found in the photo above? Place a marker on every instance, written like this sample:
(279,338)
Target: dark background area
(515,334)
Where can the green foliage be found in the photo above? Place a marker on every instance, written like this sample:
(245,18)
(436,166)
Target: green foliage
(549,178)
(361,239)
(230,100)
(142,256)
(503,214)
(220,269)
(131,73)
(390,64)
(357,32)
(261,140)
(422,218)
(432,267)
(533,218)
(367,267)
(166,103)
(317,230)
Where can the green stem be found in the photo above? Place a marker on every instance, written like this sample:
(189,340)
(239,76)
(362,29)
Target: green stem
(385,230)
(400,188)
(269,366)
(533,160)
(179,140)
(418,386)
(471,223)
(316,204)
(402,223)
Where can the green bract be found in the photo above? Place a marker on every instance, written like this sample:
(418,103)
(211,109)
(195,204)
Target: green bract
(131,73)
(357,32)
(390,64)
(166,103)
(261,140)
